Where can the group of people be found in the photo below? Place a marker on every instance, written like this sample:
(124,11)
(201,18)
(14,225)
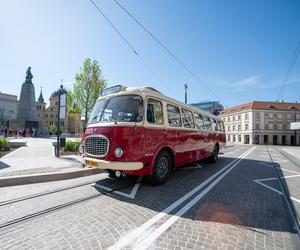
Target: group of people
(11,132)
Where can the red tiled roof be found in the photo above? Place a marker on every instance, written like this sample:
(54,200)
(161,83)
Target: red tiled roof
(262,105)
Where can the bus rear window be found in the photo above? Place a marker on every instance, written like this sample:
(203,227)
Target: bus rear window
(174,117)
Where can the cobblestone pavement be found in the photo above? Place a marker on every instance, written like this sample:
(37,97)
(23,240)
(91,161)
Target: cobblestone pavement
(37,157)
(206,206)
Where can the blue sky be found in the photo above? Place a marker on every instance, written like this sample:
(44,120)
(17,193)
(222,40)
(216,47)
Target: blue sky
(240,49)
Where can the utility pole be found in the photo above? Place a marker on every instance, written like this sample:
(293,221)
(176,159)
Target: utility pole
(185,90)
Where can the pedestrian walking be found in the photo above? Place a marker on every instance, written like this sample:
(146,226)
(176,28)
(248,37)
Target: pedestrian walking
(5,132)
(27,132)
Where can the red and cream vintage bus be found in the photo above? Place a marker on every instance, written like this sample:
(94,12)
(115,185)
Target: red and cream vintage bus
(139,131)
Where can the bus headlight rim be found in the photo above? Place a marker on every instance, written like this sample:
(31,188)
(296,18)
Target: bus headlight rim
(118,152)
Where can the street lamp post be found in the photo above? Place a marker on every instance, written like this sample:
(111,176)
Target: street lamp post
(58,119)
(295,129)
(185,95)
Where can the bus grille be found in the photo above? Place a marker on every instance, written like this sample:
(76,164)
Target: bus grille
(96,146)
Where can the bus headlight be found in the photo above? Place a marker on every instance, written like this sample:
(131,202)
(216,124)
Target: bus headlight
(118,152)
(81,150)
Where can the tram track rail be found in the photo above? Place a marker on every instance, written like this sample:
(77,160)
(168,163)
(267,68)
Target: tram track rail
(61,206)
(285,194)
(32,196)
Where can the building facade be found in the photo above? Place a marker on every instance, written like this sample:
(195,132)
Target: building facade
(213,107)
(47,116)
(262,123)
(8,108)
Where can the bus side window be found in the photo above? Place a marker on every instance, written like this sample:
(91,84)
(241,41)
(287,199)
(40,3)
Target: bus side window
(222,127)
(207,123)
(154,112)
(187,119)
(214,124)
(199,121)
(174,117)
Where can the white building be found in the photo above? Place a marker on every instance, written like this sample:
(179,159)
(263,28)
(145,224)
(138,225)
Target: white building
(8,107)
(262,123)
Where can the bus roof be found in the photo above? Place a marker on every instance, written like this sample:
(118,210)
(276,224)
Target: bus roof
(149,91)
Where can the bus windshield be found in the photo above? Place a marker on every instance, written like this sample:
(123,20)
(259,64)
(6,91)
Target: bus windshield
(125,108)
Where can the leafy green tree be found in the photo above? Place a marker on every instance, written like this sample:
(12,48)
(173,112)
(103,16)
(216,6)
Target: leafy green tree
(88,84)
(72,108)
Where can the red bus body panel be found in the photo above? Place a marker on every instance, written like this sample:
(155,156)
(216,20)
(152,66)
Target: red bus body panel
(142,144)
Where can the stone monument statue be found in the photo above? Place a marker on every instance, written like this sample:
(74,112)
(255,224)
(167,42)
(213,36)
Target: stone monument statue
(27,111)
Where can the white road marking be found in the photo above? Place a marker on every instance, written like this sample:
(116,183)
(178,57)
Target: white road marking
(146,227)
(275,178)
(272,166)
(275,190)
(160,230)
(130,196)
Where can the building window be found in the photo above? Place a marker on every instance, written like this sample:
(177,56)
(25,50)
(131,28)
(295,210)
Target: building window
(233,138)
(266,126)
(246,126)
(284,126)
(228,128)
(257,126)
(62,123)
(275,116)
(228,137)
(257,116)
(233,118)
(239,117)
(246,116)
(239,127)
(266,116)
(239,138)
(233,128)
(228,119)
(275,126)
(51,123)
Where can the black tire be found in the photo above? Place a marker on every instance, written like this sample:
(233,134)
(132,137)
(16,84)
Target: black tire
(162,169)
(215,156)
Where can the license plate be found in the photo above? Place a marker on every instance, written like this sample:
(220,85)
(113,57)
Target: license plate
(91,163)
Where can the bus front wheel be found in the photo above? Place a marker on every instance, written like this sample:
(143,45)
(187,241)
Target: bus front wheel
(162,169)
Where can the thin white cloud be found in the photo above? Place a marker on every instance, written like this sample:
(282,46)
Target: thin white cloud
(242,84)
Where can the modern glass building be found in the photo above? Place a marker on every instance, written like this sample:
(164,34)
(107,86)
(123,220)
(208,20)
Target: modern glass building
(213,107)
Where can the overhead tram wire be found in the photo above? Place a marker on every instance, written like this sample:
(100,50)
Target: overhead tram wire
(289,71)
(125,40)
(168,50)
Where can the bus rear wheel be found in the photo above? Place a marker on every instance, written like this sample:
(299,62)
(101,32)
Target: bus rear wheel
(162,169)
(215,156)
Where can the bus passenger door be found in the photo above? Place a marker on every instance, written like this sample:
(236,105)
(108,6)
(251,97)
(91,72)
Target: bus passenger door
(154,129)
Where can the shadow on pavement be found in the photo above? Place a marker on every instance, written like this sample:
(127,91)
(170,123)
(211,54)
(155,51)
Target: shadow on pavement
(236,200)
